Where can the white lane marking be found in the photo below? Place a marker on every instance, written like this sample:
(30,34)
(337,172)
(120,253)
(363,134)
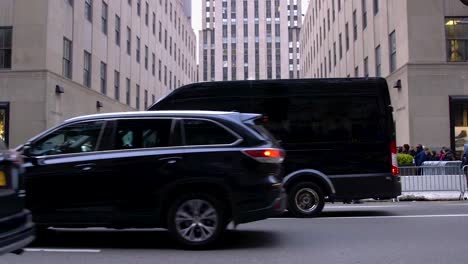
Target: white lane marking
(378,217)
(58,250)
(362,206)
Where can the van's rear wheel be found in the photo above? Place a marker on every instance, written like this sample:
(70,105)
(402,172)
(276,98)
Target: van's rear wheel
(305,199)
(197,220)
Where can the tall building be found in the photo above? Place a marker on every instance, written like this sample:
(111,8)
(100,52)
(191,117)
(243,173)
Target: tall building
(64,58)
(249,39)
(419,46)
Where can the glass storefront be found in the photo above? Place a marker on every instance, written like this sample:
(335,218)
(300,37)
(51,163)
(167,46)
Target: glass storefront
(4,121)
(458,123)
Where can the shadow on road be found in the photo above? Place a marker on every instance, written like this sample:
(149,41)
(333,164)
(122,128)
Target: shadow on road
(145,239)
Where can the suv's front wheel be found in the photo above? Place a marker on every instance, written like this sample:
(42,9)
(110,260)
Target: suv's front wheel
(305,199)
(196,220)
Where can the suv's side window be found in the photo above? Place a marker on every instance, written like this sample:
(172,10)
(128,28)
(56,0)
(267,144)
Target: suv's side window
(143,133)
(74,138)
(202,132)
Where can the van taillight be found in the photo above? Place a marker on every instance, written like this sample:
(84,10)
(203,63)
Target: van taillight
(267,155)
(393,150)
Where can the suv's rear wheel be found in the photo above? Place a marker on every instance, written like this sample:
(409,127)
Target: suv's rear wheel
(305,199)
(196,220)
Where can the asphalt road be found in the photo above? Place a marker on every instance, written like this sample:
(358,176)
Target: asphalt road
(411,232)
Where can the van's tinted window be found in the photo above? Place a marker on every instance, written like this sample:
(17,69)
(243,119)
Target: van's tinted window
(202,132)
(74,138)
(300,120)
(143,133)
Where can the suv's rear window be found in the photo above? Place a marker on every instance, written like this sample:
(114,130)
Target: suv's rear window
(261,130)
(202,132)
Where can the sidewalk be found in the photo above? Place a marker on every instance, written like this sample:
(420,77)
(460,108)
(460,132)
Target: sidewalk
(432,196)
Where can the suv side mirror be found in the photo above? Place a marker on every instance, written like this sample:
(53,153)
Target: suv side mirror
(26,151)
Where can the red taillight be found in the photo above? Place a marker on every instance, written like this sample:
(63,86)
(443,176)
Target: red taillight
(393,150)
(268,155)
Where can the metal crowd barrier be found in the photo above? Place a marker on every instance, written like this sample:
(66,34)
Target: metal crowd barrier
(434,176)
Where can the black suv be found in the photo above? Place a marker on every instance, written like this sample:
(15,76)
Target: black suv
(16,227)
(189,171)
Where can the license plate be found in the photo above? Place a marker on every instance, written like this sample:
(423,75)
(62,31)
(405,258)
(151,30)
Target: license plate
(3,181)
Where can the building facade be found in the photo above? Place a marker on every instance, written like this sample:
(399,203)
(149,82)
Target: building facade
(64,58)
(249,40)
(419,46)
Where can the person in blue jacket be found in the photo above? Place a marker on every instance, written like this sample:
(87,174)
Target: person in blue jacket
(420,155)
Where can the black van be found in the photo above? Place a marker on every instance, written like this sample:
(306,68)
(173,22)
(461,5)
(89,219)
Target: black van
(338,133)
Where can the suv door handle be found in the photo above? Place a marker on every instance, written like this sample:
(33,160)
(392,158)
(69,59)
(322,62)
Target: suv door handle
(170,160)
(85,167)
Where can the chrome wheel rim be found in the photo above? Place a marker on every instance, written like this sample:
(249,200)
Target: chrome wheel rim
(196,220)
(307,200)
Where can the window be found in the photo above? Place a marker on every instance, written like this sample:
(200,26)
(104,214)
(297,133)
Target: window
(67,58)
(378,62)
(392,48)
(339,5)
(89,10)
(129,41)
(165,75)
(146,99)
(142,133)
(5,48)
(376,7)
(366,67)
(356,71)
(104,18)
(153,64)
(75,138)
(159,70)
(364,15)
(355,25)
(117,30)
(154,23)
(138,50)
(146,57)
(128,91)
(165,39)
(87,69)
(160,32)
(340,45)
(103,78)
(117,85)
(137,97)
(202,132)
(347,36)
(146,13)
(139,7)
(334,53)
(456,31)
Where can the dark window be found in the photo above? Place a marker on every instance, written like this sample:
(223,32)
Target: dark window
(347,36)
(117,85)
(128,92)
(103,78)
(117,30)
(202,132)
(5,48)
(392,47)
(355,33)
(104,17)
(137,97)
(129,41)
(74,138)
(138,7)
(146,13)
(376,7)
(89,10)
(364,15)
(67,58)
(87,69)
(143,133)
(378,62)
(138,50)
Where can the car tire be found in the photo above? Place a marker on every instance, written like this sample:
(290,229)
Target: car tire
(197,228)
(305,199)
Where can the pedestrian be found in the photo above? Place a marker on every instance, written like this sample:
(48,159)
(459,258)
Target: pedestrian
(465,155)
(412,151)
(442,154)
(406,149)
(420,155)
(434,156)
(449,155)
